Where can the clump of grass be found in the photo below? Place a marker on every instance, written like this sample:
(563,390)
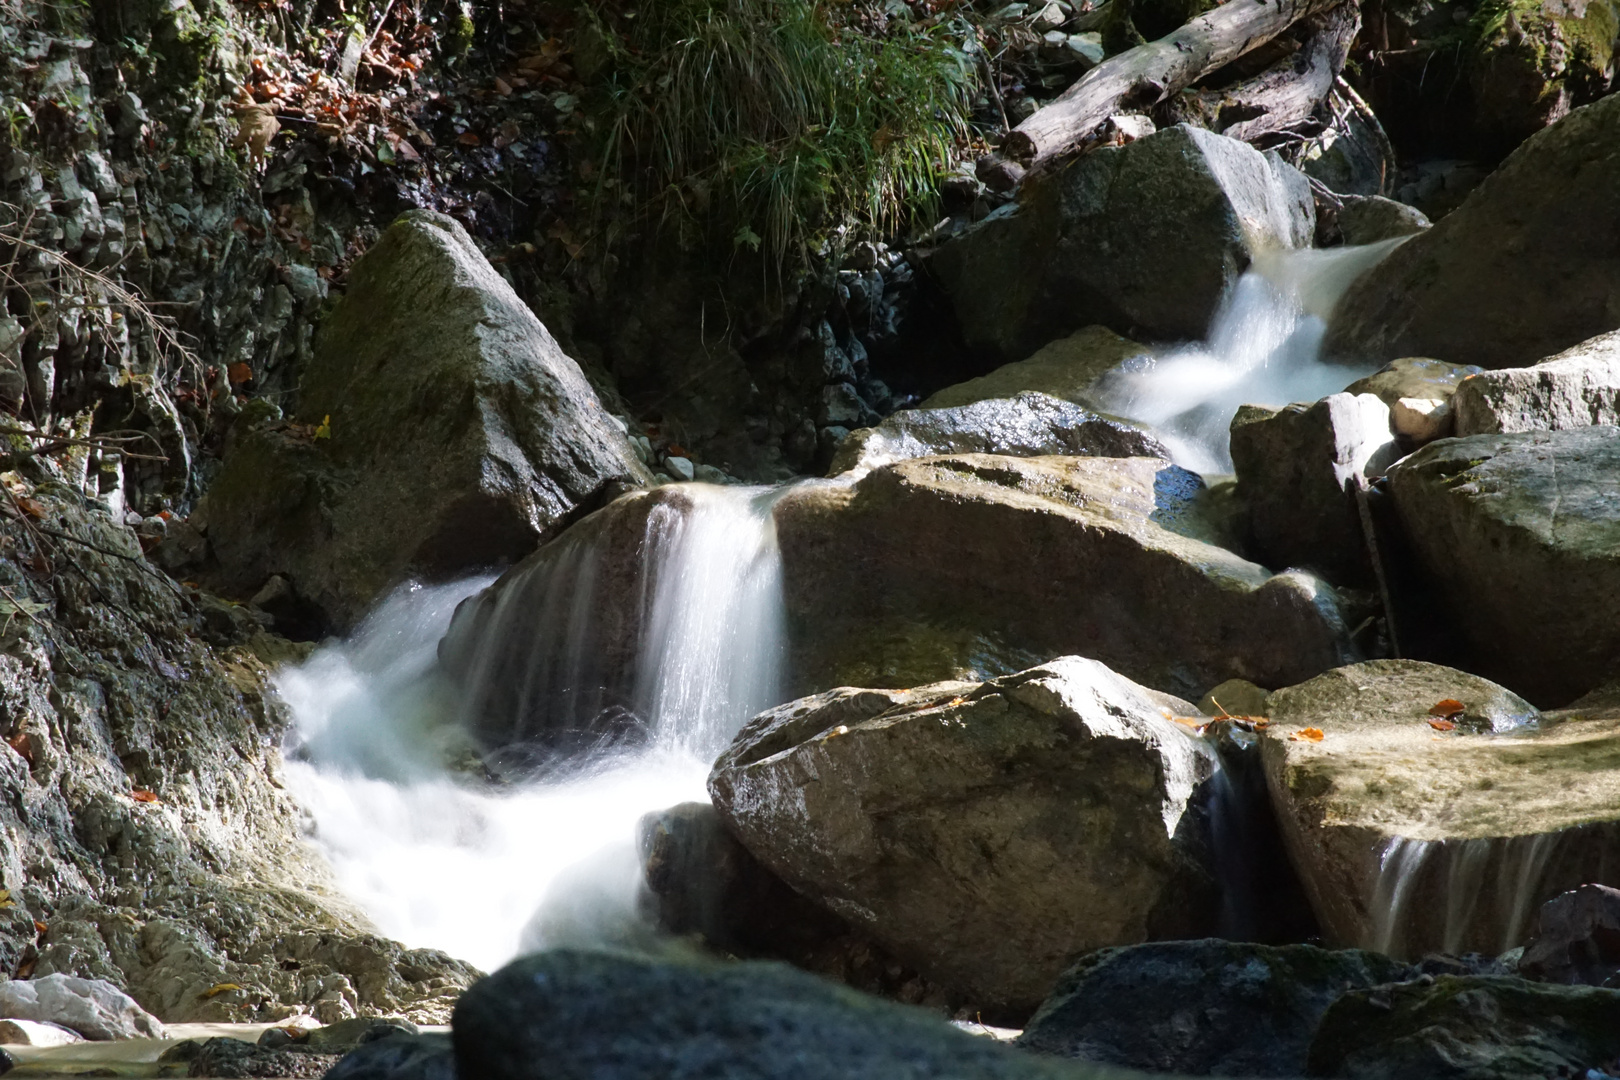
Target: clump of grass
(777,124)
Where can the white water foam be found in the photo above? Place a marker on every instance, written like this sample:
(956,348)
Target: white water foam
(1264,349)
(439,859)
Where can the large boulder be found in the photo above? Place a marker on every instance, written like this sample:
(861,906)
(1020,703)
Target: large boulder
(985,834)
(1577,388)
(567,1015)
(1203,1008)
(1148,235)
(1521,534)
(1298,468)
(1468,1028)
(1066,368)
(1427,809)
(1417,377)
(977,565)
(1530,61)
(1577,939)
(440,429)
(1528,265)
(94,1008)
(1028,425)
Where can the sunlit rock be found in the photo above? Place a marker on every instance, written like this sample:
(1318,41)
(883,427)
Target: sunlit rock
(1066,368)
(1578,387)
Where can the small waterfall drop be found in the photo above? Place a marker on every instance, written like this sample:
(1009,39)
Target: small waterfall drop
(439,856)
(1264,349)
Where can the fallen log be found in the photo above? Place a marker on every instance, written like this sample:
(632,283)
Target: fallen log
(1142,77)
(1283,96)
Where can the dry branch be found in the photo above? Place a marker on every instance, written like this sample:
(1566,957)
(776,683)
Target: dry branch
(1142,77)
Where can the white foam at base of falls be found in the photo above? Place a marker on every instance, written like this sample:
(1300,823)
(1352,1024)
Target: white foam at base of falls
(1264,349)
(438,858)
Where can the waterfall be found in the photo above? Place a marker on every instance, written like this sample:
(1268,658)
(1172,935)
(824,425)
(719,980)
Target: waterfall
(397,790)
(1263,349)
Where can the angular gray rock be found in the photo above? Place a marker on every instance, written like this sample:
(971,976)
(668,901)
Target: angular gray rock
(1065,368)
(1028,425)
(566,1015)
(1577,939)
(1468,1028)
(1368,219)
(1203,1008)
(1146,235)
(1527,265)
(984,834)
(441,429)
(94,1008)
(1297,469)
(978,565)
(1578,387)
(1418,377)
(1521,533)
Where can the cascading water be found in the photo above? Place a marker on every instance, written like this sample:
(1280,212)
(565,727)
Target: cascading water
(440,857)
(1263,349)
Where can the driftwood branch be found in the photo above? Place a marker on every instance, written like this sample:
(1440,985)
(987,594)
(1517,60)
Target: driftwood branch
(1142,77)
(1283,96)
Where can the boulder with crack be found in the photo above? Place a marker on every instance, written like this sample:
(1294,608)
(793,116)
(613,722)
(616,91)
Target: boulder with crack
(1577,388)
(975,565)
(984,834)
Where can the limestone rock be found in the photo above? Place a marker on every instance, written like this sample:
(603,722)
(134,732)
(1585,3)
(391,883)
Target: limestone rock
(1065,368)
(1297,468)
(1521,532)
(1525,267)
(1467,1028)
(91,1007)
(1577,938)
(1578,387)
(976,565)
(1028,425)
(1414,377)
(1415,832)
(443,430)
(983,834)
(1368,219)
(581,1014)
(1203,1008)
(1149,235)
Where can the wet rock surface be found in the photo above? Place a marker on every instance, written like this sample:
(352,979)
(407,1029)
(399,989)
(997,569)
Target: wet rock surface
(1066,368)
(1519,531)
(983,833)
(1203,1008)
(1577,939)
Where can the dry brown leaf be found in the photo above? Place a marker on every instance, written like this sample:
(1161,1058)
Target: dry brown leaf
(142,795)
(256,125)
(1442,725)
(1310,734)
(1448,708)
(216,990)
(239,373)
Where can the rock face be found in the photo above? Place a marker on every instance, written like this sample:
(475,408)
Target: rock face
(1468,1028)
(1530,61)
(443,430)
(1297,468)
(92,1007)
(983,834)
(1370,218)
(577,1015)
(1577,388)
(1146,235)
(1203,1008)
(1418,377)
(1415,832)
(1028,425)
(1065,368)
(144,820)
(1521,534)
(1525,267)
(1577,938)
(977,565)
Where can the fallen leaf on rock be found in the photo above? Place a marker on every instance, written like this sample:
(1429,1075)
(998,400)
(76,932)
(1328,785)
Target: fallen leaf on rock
(39,927)
(469,138)
(1448,708)
(6,900)
(216,990)
(1310,734)
(32,507)
(1442,725)
(324,430)
(239,373)
(142,795)
(24,746)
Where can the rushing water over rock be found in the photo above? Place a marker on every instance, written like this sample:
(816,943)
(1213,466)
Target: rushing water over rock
(397,789)
(1264,348)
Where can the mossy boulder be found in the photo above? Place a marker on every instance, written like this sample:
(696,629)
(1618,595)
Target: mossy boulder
(440,429)
(1529,62)
(984,834)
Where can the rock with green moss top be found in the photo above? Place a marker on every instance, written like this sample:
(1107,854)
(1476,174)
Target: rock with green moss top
(1468,1028)
(1427,809)
(1525,268)
(1066,368)
(1521,533)
(984,834)
(1530,62)
(441,430)
(1205,1008)
(976,565)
